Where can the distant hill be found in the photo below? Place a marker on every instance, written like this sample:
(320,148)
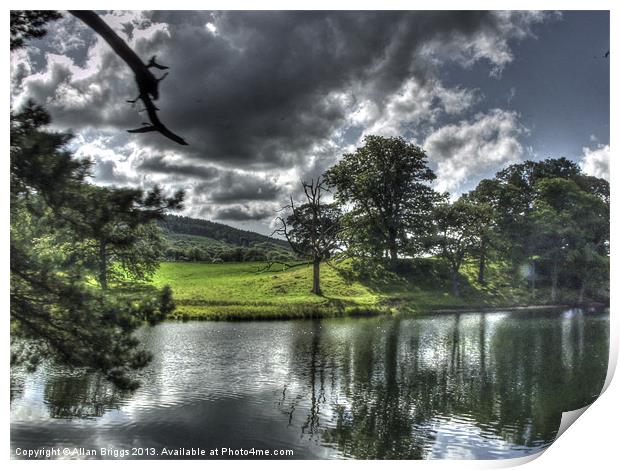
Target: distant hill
(202,240)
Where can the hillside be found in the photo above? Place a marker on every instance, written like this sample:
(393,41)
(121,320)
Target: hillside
(192,239)
(254,290)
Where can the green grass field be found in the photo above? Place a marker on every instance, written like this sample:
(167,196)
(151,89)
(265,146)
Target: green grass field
(231,291)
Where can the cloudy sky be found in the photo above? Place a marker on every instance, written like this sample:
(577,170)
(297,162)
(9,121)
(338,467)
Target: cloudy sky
(267,98)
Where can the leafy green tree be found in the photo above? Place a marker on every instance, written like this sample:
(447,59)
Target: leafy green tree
(55,312)
(312,229)
(385,184)
(519,234)
(591,266)
(483,198)
(515,191)
(572,226)
(118,231)
(457,234)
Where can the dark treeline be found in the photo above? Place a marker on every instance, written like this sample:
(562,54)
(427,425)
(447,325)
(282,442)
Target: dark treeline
(212,242)
(546,220)
(225,233)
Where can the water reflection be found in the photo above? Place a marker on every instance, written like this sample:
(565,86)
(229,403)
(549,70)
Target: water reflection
(453,386)
(81,396)
(394,384)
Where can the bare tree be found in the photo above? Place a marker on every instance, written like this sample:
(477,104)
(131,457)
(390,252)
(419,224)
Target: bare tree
(312,228)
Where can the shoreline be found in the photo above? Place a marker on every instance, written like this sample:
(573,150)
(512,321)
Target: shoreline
(361,312)
(242,291)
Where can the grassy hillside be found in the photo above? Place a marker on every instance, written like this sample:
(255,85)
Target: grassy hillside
(241,291)
(222,233)
(238,290)
(201,240)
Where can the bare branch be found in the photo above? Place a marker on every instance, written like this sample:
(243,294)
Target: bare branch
(148,84)
(285,266)
(152,63)
(142,130)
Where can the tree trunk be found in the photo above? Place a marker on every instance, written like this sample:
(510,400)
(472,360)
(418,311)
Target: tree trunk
(455,283)
(481,267)
(533,281)
(554,281)
(103,266)
(582,291)
(316,276)
(392,244)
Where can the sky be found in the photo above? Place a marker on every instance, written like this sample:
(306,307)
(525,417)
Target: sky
(268,98)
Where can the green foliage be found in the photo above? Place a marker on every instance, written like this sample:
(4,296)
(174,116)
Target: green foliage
(167,303)
(572,229)
(458,232)
(117,230)
(181,247)
(549,218)
(190,239)
(385,183)
(59,222)
(230,236)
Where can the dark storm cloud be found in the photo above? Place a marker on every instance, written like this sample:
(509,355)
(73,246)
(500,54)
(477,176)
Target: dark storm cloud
(260,89)
(155,164)
(266,86)
(244,212)
(235,187)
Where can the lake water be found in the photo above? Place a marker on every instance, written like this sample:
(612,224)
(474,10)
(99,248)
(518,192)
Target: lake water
(479,385)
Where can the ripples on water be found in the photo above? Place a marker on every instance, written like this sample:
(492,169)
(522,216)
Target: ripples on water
(488,386)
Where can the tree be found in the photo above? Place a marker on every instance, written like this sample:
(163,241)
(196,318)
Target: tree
(512,194)
(118,232)
(55,312)
(384,182)
(483,199)
(28,24)
(513,191)
(457,234)
(572,226)
(312,228)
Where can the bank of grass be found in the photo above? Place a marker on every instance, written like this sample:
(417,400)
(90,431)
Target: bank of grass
(238,291)
(244,291)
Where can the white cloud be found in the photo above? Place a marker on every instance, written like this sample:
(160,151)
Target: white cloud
(490,43)
(78,79)
(211,28)
(474,148)
(595,162)
(416,102)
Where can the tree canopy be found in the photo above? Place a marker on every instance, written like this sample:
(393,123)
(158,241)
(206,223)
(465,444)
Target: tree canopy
(56,217)
(385,184)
